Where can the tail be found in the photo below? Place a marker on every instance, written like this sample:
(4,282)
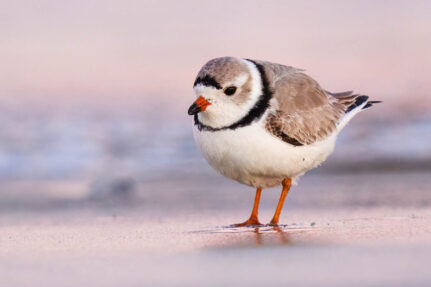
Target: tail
(353,103)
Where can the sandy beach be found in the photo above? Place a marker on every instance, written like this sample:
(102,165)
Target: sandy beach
(336,231)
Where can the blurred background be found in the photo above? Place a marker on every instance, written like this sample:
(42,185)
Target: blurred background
(94,94)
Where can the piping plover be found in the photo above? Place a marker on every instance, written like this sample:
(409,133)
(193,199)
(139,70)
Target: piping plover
(265,124)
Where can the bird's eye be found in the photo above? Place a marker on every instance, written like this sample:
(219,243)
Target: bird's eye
(230,91)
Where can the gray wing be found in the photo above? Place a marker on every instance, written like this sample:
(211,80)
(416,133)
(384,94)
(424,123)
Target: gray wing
(304,112)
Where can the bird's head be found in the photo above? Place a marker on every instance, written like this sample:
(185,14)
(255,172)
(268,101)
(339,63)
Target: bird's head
(225,89)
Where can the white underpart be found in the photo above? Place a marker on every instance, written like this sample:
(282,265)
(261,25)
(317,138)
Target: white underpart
(224,111)
(253,156)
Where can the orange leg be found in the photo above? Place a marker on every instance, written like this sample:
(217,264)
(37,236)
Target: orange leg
(286,186)
(253,220)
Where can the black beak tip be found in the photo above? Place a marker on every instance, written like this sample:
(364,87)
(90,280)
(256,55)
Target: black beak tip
(194,109)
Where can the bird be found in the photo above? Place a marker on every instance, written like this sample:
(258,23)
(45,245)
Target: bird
(265,124)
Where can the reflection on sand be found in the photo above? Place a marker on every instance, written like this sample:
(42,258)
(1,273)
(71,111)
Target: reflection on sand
(258,235)
(283,235)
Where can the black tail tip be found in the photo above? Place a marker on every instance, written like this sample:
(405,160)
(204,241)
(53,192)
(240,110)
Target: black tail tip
(358,101)
(370,104)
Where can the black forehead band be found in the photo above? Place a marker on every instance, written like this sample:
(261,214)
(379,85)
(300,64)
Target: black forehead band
(207,81)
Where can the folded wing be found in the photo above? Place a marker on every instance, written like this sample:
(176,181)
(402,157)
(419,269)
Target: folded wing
(304,113)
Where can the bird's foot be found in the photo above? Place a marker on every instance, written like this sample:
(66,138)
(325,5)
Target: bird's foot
(273,223)
(250,222)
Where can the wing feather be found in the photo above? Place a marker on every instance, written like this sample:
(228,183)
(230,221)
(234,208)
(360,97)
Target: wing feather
(305,113)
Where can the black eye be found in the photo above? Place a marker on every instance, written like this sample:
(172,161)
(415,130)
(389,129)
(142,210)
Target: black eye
(230,91)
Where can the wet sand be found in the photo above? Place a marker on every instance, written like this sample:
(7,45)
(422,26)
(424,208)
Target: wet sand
(337,230)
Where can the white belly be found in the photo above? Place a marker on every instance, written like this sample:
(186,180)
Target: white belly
(254,157)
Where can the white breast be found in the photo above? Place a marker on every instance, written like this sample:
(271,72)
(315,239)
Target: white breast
(254,157)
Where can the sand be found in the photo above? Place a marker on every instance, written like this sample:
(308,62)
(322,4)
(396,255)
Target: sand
(336,231)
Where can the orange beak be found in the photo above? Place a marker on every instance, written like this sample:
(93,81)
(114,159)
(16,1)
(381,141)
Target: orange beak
(198,106)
